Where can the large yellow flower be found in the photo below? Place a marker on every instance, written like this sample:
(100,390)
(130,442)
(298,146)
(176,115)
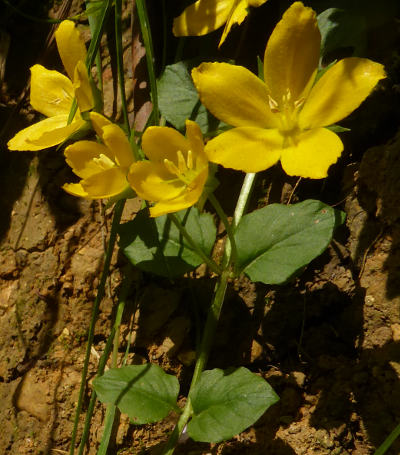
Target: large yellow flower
(102,167)
(205,16)
(175,176)
(284,118)
(52,94)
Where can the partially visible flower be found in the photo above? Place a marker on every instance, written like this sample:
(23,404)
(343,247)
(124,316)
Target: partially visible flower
(52,94)
(177,170)
(102,167)
(205,16)
(285,117)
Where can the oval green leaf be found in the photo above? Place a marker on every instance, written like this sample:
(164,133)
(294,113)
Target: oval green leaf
(145,392)
(156,245)
(227,402)
(275,242)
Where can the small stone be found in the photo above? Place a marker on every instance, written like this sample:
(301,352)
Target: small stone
(256,351)
(33,396)
(299,378)
(395,332)
(322,436)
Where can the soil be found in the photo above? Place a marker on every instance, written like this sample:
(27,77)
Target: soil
(328,342)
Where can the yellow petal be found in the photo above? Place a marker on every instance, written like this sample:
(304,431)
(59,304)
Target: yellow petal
(70,46)
(153,182)
(108,183)
(115,139)
(202,17)
(162,142)
(75,189)
(256,3)
(98,122)
(339,91)
(44,134)
(292,54)
(195,138)
(236,16)
(51,92)
(234,95)
(315,151)
(246,149)
(83,90)
(185,200)
(79,156)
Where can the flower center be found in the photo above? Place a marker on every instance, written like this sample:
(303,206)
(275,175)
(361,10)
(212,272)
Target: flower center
(288,110)
(184,170)
(104,162)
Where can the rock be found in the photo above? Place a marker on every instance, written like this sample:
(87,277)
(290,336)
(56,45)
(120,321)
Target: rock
(33,396)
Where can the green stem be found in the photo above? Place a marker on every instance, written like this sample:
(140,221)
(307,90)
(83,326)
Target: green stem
(111,408)
(212,265)
(120,63)
(228,226)
(205,347)
(119,206)
(244,197)
(212,319)
(148,44)
(388,441)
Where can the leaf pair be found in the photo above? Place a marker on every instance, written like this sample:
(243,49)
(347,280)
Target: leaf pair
(273,243)
(224,403)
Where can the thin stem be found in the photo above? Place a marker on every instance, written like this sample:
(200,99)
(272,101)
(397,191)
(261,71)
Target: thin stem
(92,402)
(228,226)
(212,265)
(244,197)
(120,63)
(212,318)
(388,441)
(205,347)
(119,206)
(148,44)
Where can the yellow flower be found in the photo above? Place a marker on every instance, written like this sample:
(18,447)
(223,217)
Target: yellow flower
(284,118)
(177,171)
(102,167)
(205,16)
(52,94)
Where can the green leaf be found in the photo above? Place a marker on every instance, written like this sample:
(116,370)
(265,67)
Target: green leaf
(275,242)
(342,28)
(227,402)
(145,392)
(156,245)
(178,98)
(337,128)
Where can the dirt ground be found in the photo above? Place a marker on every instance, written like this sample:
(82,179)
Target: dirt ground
(329,342)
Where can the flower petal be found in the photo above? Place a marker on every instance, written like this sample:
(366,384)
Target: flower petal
(315,151)
(75,189)
(236,16)
(114,138)
(79,156)
(202,17)
(292,54)
(195,138)
(246,149)
(108,183)
(339,91)
(153,182)
(162,142)
(70,46)
(234,95)
(46,133)
(83,90)
(98,122)
(52,93)
(185,200)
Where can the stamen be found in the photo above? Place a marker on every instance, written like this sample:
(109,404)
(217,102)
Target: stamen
(104,162)
(299,102)
(190,159)
(171,167)
(181,162)
(273,105)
